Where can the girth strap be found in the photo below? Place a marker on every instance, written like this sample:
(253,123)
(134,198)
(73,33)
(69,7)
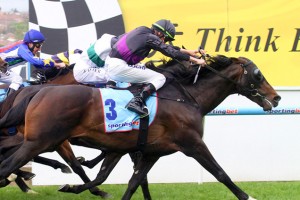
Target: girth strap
(143,133)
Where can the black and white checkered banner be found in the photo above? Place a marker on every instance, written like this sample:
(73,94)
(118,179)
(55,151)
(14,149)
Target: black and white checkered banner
(74,24)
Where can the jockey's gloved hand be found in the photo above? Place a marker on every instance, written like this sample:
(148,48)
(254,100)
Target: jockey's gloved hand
(60,65)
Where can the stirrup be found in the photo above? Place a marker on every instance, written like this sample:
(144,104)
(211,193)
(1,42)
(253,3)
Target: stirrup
(136,105)
(111,84)
(141,112)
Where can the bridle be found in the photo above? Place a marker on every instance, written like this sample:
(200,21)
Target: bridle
(255,77)
(249,90)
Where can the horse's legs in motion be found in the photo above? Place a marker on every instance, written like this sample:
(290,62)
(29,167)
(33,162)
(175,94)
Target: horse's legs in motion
(136,157)
(65,151)
(201,153)
(18,159)
(22,185)
(4,182)
(24,174)
(109,162)
(91,163)
(139,174)
(52,163)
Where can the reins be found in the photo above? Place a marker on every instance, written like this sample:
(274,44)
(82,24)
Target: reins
(253,92)
(183,89)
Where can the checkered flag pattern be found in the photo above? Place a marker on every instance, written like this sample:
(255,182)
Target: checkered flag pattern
(74,24)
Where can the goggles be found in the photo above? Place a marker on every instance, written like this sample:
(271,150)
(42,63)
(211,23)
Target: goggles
(38,44)
(168,36)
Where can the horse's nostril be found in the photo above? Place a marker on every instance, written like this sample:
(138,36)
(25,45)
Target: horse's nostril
(277,98)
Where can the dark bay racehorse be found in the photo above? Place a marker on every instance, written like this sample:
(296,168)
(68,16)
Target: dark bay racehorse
(57,77)
(9,144)
(180,129)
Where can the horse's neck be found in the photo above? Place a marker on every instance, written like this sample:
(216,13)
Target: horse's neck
(210,92)
(67,79)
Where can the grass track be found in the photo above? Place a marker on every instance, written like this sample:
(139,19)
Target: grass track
(188,191)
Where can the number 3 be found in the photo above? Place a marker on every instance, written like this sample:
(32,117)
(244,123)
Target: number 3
(112,115)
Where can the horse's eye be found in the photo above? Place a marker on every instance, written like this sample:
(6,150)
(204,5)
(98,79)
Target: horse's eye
(257,75)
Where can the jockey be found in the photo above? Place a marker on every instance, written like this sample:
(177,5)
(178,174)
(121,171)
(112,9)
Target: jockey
(131,48)
(20,53)
(89,66)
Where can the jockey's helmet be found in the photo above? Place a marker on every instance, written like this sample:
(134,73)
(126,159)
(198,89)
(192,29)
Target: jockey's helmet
(166,27)
(33,36)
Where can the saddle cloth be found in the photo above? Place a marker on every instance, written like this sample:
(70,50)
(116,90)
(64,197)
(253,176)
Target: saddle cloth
(117,117)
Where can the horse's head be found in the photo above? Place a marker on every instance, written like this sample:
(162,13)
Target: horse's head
(253,85)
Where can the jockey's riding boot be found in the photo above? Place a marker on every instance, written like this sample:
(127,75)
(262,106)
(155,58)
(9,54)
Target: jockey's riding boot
(111,84)
(137,104)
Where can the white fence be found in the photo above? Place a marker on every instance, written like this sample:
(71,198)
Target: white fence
(248,147)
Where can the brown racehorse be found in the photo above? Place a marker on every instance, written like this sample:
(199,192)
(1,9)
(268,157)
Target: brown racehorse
(65,151)
(180,129)
(59,77)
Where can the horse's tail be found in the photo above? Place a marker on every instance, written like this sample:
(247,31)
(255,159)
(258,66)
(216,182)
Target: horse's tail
(16,115)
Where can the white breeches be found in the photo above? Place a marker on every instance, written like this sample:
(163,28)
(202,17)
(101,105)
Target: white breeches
(118,70)
(89,67)
(12,78)
(85,73)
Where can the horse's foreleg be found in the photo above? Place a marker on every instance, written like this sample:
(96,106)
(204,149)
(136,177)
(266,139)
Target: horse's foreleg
(145,189)
(22,185)
(136,157)
(24,174)
(18,159)
(52,163)
(65,151)
(205,158)
(139,174)
(107,166)
(92,163)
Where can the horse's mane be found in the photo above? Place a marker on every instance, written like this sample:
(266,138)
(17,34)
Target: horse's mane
(185,73)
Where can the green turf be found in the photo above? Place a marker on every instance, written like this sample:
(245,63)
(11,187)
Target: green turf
(188,191)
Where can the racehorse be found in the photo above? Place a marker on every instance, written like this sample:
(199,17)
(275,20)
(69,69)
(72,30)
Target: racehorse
(58,77)
(10,143)
(172,130)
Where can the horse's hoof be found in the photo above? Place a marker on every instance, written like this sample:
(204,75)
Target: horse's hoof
(251,198)
(28,176)
(66,170)
(80,159)
(31,192)
(64,188)
(96,191)
(103,195)
(12,177)
(106,196)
